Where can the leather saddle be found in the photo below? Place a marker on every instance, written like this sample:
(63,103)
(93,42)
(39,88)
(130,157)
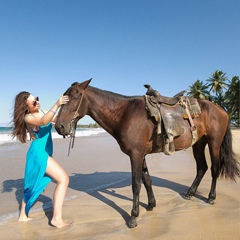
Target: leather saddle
(162,99)
(170,114)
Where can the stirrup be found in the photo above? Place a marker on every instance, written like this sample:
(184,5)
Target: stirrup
(169,148)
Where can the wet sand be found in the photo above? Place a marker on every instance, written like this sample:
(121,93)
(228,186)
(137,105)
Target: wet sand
(99,197)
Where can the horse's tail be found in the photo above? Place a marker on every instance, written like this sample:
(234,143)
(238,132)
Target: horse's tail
(230,167)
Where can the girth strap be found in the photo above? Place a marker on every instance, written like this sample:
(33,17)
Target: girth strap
(192,125)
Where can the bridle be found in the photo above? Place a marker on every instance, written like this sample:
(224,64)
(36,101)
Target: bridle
(73,126)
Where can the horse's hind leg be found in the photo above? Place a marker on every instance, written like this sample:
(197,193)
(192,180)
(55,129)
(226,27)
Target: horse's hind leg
(148,185)
(198,152)
(214,150)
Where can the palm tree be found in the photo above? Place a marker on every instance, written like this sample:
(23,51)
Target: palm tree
(232,97)
(217,82)
(198,90)
(220,99)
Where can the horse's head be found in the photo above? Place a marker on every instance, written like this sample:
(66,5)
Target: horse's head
(74,110)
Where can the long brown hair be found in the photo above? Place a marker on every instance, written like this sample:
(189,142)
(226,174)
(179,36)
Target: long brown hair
(19,112)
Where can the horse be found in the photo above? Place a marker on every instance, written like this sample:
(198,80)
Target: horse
(127,120)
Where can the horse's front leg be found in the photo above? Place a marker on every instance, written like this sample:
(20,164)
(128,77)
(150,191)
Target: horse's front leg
(148,185)
(136,164)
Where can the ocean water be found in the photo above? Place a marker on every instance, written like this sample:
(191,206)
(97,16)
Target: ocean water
(5,133)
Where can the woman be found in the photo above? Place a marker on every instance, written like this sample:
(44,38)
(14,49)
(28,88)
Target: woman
(40,167)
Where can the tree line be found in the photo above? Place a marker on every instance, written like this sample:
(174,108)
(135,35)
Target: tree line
(220,90)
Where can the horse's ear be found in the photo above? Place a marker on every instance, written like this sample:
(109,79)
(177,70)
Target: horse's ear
(84,84)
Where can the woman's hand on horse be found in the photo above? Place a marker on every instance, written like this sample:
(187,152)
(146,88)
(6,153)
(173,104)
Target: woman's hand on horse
(62,100)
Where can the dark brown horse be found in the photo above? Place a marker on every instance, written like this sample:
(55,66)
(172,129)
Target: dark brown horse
(127,120)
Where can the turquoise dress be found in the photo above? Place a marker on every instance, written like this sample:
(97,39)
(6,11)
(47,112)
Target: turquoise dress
(35,179)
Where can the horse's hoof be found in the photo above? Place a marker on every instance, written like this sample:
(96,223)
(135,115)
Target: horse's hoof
(149,208)
(210,201)
(187,197)
(132,223)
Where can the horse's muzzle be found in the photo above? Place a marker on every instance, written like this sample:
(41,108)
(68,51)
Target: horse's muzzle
(61,130)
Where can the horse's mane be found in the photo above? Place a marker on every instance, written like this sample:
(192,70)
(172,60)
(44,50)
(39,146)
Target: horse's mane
(112,94)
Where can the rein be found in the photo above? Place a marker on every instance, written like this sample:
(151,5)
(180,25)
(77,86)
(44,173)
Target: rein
(73,126)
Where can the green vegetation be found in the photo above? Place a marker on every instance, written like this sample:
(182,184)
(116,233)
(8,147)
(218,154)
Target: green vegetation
(220,90)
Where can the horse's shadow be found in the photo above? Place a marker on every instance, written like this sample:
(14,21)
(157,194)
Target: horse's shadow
(106,182)
(96,184)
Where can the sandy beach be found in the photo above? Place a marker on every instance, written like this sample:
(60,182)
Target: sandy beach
(99,197)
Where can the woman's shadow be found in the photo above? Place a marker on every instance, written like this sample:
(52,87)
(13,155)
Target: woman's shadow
(17,186)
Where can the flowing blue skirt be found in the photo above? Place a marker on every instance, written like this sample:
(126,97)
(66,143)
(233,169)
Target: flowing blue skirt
(35,179)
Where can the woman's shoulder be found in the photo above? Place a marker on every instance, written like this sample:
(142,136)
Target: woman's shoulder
(28,116)
(36,114)
(44,111)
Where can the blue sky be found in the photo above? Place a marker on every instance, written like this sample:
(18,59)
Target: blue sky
(122,44)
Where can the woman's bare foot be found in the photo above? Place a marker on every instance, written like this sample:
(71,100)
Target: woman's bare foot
(59,223)
(22,216)
(24,219)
